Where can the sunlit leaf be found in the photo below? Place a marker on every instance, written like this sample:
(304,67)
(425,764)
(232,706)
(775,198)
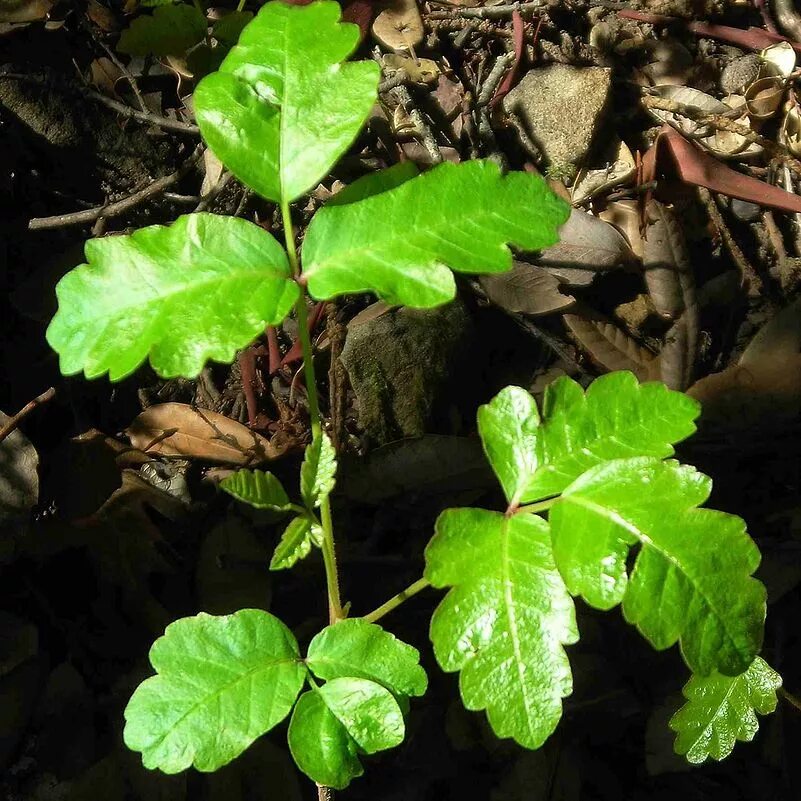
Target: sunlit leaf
(722,709)
(403,243)
(221,682)
(295,543)
(506,621)
(692,578)
(318,471)
(199,289)
(334,723)
(258,489)
(283,108)
(355,648)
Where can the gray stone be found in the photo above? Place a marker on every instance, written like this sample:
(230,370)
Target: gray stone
(401,365)
(560,108)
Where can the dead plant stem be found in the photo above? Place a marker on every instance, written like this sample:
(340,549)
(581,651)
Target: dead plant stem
(14,421)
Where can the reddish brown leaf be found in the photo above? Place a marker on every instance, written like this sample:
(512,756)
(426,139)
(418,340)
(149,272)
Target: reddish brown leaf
(694,166)
(519,32)
(360,12)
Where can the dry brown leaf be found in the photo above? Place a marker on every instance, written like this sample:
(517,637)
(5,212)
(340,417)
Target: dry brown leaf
(763,97)
(625,216)
(665,260)
(399,26)
(777,340)
(526,288)
(620,167)
(24,10)
(587,246)
(419,70)
(178,429)
(611,348)
(104,74)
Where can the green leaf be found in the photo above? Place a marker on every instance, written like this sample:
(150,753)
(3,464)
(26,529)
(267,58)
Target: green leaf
(221,682)
(509,426)
(282,108)
(295,543)
(374,183)
(170,31)
(199,289)
(506,620)
(333,723)
(356,648)
(258,489)
(318,471)
(692,579)
(401,243)
(721,710)
(616,418)
(229,28)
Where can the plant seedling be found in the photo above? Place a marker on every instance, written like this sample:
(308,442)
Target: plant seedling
(586,481)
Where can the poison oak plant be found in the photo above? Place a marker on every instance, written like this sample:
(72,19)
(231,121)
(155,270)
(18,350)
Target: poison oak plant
(279,112)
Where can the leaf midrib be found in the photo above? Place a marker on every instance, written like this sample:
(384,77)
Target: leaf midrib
(220,690)
(646,541)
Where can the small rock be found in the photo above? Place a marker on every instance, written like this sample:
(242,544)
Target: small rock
(739,74)
(401,365)
(560,108)
(745,211)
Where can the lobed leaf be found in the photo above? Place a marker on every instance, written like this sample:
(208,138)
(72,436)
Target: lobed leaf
(356,648)
(333,723)
(170,31)
(692,580)
(295,543)
(509,428)
(283,108)
(199,289)
(506,621)
(220,683)
(318,471)
(258,489)
(403,243)
(721,710)
(616,418)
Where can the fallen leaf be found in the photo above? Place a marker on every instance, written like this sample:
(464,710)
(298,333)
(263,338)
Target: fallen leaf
(527,289)
(780,59)
(178,429)
(587,246)
(610,347)
(104,74)
(696,167)
(790,132)
(620,168)
(24,10)
(399,25)
(19,476)
(359,12)
(625,216)
(419,70)
(518,39)
(763,97)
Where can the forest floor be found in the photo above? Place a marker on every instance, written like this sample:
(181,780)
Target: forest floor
(672,126)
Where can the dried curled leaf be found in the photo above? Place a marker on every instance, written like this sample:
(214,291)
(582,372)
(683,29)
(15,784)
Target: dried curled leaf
(527,289)
(610,347)
(178,429)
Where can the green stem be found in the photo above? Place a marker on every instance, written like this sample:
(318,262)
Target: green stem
(540,506)
(790,698)
(241,5)
(335,612)
(396,600)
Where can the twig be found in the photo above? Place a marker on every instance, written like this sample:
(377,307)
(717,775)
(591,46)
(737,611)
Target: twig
(119,206)
(214,192)
(165,123)
(126,74)
(748,275)
(14,421)
(400,77)
(426,136)
(324,793)
(494,78)
(790,698)
(487,12)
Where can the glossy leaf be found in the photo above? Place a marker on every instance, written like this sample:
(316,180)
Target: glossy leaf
(617,417)
(170,31)
(506,620)
(335,722)
(258,489)
(509,427)
(356,648)
(295,543)
(229,28)
(221,682)
(722,709)
(282,108)
(692,578)
(199,289)
(318,471)
(374,183)
(403,243)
